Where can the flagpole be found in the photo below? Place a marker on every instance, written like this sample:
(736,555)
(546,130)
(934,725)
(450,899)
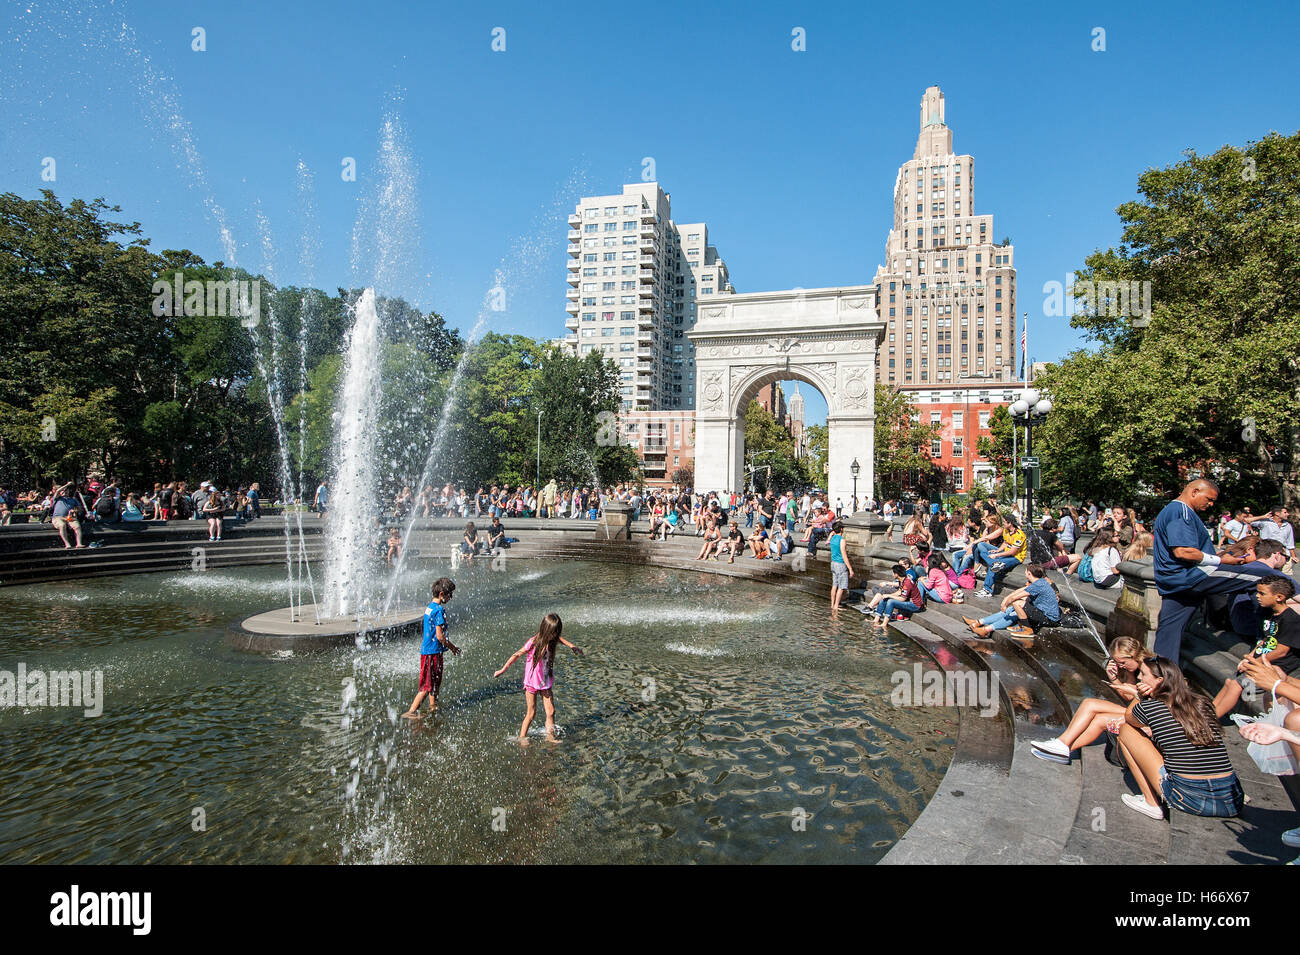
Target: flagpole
(1024,345)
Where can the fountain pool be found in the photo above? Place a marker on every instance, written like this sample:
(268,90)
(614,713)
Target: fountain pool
(712,719)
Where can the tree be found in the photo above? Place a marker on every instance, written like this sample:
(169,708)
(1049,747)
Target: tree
(902,443)
(492,427)
(1208,378)
(998,447)
(817,441)
(74,304)
(579,399)
(764,433)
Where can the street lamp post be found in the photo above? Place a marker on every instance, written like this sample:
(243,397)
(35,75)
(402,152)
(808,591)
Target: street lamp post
(1030,409)
(855,469)
(752,456)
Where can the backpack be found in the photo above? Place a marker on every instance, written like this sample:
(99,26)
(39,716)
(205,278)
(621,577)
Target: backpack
(1085,570)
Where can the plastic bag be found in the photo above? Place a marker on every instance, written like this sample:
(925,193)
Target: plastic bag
(1276,759)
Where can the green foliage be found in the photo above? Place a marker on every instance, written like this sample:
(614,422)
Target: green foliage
(1218,238)
(98,376)
(817,441)
(998,446)
(764,433)
(579,400)
(902,445)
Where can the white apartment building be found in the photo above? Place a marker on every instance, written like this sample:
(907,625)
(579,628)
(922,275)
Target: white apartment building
(947,293)
(634,279)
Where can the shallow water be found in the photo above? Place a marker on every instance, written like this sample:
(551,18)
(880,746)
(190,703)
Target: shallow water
(711,719)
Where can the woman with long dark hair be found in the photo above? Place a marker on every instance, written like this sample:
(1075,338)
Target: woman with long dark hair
(1105,559)
(1184,760)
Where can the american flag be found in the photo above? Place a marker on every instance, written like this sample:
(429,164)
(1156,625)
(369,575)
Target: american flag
(1024,347)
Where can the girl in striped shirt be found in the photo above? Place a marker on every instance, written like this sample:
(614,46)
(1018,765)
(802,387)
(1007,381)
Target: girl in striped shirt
(1183,759)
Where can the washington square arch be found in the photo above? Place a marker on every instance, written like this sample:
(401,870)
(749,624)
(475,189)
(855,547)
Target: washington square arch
(825,337)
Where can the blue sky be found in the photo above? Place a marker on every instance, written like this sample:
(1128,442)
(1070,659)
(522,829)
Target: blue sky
(789,156)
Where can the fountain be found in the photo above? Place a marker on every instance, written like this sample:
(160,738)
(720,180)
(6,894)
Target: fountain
(351,608)
(357,601)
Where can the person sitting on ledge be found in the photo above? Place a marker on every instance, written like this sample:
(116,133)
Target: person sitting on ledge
(936,584)
(983,545)
(1023,611)
(712,538)
(1093,716)
(781,543)
(470,544)
(759,548)
(735,543)
(1009,554)
(1278,639)
(818,527)
(1242,611)
(497,535)
(132,510)
(906,600)
(1184,760)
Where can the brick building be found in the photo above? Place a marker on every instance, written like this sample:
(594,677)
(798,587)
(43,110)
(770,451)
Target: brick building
(663,440)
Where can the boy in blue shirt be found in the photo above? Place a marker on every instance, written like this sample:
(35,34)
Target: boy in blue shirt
(1023,611)
(431,650)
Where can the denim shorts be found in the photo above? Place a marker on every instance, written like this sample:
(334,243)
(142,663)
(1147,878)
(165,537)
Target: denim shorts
(1202,797)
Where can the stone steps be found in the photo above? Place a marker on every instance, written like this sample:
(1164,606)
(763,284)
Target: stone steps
(1049,812)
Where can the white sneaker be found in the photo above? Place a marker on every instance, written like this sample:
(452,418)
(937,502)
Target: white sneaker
(1053,746)
(1138,803)
(1291,838)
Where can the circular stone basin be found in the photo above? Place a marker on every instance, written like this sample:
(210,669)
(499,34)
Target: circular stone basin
(711,719)
(298,629)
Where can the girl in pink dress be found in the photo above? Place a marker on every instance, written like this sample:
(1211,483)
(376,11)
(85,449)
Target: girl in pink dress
(539,671)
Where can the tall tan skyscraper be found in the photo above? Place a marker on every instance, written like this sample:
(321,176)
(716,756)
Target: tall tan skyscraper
(947,294)
(634,279)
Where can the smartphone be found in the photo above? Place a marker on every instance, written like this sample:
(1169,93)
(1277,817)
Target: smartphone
(1242,720)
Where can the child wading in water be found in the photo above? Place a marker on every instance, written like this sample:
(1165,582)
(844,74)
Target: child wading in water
(431,650)
(539,671)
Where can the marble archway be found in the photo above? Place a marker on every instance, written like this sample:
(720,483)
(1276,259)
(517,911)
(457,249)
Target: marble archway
(825,337)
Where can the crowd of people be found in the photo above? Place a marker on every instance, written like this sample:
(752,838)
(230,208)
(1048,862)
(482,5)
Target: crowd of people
(75,507)
(1161,729)
(951,551)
